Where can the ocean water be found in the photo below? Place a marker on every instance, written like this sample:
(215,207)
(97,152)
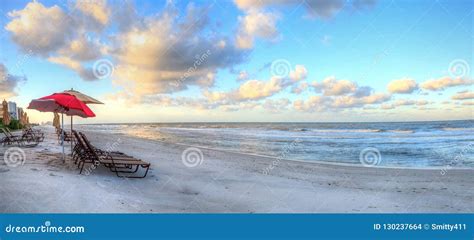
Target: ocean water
(392,144)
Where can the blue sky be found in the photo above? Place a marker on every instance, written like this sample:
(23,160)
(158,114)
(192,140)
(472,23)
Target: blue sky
(334,52)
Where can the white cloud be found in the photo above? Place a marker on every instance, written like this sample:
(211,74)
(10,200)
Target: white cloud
(256,24)
(254,89)
(97,10)
(330,86)
(463,95)
(301,87)
(313,104)
(8,83)
(40,29)
(404,85)
(300,73)
(157,57)
(445,82)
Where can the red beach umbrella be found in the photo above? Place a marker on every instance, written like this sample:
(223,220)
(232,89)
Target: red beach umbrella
(62,103)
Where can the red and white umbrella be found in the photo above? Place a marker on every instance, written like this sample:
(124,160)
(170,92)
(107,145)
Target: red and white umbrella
(63,103)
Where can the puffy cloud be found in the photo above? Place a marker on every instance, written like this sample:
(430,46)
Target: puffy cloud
(404,85)
(333,87)
(254,89)
(259,89)
(8,83)
(97,10)
(82,50)
(301,87)
(56,35)
(463,95)
(162,53)
(40,29)
(256,24)
(445,82)
(300,73)
(313,104)
(159,58)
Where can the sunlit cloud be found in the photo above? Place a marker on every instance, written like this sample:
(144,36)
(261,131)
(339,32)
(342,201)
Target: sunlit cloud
(404,85)
(463,95)
(445,82)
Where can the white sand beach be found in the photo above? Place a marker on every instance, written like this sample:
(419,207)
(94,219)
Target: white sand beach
(224,182)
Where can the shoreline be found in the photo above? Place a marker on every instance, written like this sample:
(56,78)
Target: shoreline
(223,183)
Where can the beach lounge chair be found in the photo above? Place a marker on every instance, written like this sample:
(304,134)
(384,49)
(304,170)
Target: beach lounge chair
(121,164)
(26,136)
(36,132)
(67,135)
(80,150)
(28,132)
(22,141)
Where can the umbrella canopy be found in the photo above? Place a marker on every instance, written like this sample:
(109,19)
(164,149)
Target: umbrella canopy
(62,103)
(6,114)
(83,97)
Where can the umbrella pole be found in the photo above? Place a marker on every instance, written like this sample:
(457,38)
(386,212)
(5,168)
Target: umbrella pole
(71,136)
(62,135)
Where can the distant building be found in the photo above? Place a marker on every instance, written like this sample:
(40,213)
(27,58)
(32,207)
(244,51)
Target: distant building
(12,109)
(19,113)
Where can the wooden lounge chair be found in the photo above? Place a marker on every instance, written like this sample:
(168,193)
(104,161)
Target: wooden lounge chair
(67,135)
(122,165)
(22,141)
(34,135)
(80,150)
(27,136)
(35,132)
